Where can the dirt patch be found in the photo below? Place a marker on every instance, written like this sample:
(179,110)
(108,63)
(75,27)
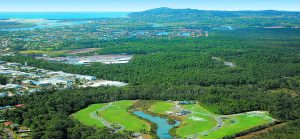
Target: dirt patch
(80,51)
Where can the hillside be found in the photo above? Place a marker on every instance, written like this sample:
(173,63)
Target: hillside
(193,15)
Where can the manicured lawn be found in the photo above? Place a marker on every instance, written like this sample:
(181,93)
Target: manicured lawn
(84,115)
(238,123)
(161,107)
(118,114)
(200,120)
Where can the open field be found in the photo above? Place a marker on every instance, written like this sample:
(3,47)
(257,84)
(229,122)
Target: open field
(199,122)
(240,122)
(85,50)
(161,107)
(205,124)
(84,115)
(112,114)
(51,53)
(118,114)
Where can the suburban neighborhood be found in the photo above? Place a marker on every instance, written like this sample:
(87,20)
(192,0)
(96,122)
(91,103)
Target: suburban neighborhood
(23,79)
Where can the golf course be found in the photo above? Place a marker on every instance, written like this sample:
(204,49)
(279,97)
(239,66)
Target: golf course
(112,116)
(201,123)
(195,120)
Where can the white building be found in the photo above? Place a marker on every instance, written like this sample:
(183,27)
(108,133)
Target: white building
(85,77)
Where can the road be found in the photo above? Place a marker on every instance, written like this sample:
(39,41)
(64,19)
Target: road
(95,115)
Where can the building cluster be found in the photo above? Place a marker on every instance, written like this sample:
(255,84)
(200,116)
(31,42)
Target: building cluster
(178,110)
(13,130)
(88,60)
(41,37)
(22,79)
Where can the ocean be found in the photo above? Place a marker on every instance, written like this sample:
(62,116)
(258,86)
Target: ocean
(61,15)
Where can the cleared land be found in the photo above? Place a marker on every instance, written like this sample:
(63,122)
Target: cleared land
(44,52)
(202,123)
(240,122)
(118,114)
(161,107)
(84,115)
(198,121)
(112,114)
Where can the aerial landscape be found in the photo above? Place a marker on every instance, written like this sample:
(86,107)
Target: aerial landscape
(146,69)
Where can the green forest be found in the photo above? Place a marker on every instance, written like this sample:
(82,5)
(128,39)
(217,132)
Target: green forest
(265,76)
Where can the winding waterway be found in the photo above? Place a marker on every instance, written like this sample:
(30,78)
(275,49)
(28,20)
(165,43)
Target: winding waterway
(163,127)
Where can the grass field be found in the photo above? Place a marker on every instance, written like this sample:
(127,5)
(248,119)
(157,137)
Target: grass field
(114,114)
(238,123)
(118,114)
(199,121)
(202,123)
(161,107)
(51,53)
(84,115)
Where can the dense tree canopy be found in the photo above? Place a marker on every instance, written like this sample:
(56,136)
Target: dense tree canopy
(265,76)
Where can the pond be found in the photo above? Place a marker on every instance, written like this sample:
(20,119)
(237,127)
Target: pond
(163,127)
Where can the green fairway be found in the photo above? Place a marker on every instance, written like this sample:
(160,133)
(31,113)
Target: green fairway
(118,114)
(112,114)
(238,123)
(199,121)
(161,107)
(84,115)
(205,124)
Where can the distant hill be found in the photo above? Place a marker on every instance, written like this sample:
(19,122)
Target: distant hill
(168,14)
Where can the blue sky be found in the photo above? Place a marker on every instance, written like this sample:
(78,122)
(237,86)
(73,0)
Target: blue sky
(140,5)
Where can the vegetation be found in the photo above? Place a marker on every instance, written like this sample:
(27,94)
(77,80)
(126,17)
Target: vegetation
(3,80)
(118,112)
(205,124)
(238,18)
(84,115)
(288,131)
(265,76)
(161,107)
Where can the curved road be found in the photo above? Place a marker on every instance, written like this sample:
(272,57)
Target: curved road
(94,115)
(220,123)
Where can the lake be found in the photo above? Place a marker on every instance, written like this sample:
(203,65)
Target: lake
(163,127)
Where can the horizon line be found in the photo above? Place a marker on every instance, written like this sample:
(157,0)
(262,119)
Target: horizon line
(158,8)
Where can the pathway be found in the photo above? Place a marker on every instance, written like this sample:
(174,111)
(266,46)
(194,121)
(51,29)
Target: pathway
(95,115)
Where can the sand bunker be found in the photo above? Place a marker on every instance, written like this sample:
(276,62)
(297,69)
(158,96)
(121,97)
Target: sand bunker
(195,118)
